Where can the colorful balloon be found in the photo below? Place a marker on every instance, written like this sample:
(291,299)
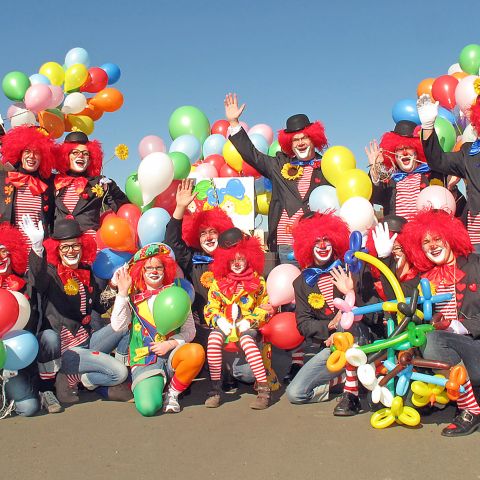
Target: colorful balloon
(435,196)
(152,226)
(167,199)
(9,311)
(274,148)
(108,261)
(74,103)
(75,76)
(151,144)
(445,133)
(113,72)
(220,127)
(37,78)
(443,90)
(188,120)
(57,96)
(155,174)
(19,115)
(465,93)
(280,284)
(323,198)
(335,162)
(109,99)
(170,309)
(232,157)
(22,349)
(52,123)
(213,145)
(263,202)
(24,310)
(38,97)
(189,145)
(259,142)
(117,234)
(187,286)
(228,171)
(77,55)
(215,160)
(205,170)
(425,87)
(282,332)
(469,59)
(54,72)
(405,109)
(15,85)
(358,213)
(181,165)
(82,123)
(97,80)
(3,354)
(354,183)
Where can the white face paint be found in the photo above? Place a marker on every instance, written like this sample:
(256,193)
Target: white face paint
(437,250)
(399,256)
(153,273)
(209,240)
(322,251)
(303,147)
(79,159)
(70,252)
(5,260)
(238,264)
(406,159)
(31,160)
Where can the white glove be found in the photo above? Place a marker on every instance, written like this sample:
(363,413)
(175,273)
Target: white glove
(427,111)
(34,233)
(383,242)
(224,325)
(243,325)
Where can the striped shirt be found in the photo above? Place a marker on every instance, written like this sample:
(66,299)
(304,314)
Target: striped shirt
(285,224)
(449,309)
(27,204)
(473,227)
(408,190)
(68,340)
(70,197)
(325,285)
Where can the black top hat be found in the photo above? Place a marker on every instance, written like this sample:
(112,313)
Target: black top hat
(229,238)
(65,229)
(76,137)
(298,122)
(395,223)
(405,128)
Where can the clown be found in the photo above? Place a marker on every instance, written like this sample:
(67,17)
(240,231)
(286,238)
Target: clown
(320,242)
(80,190)
(68,350)
(13,258)
(236,308)
(439,247)
(155,359)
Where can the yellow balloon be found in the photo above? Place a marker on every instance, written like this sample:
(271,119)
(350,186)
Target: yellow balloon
(232,157)
(335,162)
(354,183)
(75,76)
(54,72)
(263,202)
(81,123)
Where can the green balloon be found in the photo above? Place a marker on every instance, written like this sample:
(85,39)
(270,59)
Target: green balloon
(189,120)
(14,85)
(134,194)
(181,165)
(171,309)
(3,354)
(445,133)
(470,59)
(202,188)
(274,148)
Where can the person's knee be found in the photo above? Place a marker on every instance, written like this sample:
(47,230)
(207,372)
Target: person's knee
(27,408)
(295,395)
(49,342)
(197,355)
(148,395)
(121,373)
(147,407)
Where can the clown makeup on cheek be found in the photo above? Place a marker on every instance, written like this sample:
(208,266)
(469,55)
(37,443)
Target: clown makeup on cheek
(322,251)
(238,264)
(4,260)
(209,240)
(436,249)
(79,159)
(406,158)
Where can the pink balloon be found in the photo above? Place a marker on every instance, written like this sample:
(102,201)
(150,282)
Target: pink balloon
(280,284)
(437,197)
(205,170)
(38,97)
(244,126)
(465,93)
(264,130)
(151,144)
(57,96)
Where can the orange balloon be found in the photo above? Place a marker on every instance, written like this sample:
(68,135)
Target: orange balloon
(425,87)
(458,146)
(108,99)
(52,123)
(460,75)
(92,111)
(117,234)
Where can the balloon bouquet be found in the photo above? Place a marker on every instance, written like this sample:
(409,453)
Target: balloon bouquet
(57,97)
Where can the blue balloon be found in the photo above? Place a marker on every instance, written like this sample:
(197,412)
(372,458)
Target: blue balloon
(405,110)
(260,143)
(187,144)
(268,184)
(187,286)
(37,78)
(22,349)
(323,198)
(259,186)
(213,145)
(446,114)
(77,55)
(113,72)
(152,226)
(108,261)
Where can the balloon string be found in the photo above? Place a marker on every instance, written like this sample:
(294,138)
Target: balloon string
(5,409)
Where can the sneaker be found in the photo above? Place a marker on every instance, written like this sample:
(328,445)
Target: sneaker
(347,406)
(65,393)
(49,402)
(294,369)
(463,424)
(171,404)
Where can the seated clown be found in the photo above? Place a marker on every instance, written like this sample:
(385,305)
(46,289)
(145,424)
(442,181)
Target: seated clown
(155,359)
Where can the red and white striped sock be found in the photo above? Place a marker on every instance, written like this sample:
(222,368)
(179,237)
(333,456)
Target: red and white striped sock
(351,382)
(176,386)
(337,380)
(254,358)
(467,400)
(214,355)
(73,379)
(297,356)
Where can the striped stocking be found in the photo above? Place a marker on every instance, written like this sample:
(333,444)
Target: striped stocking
(214,355)
(351,383)
(254,358)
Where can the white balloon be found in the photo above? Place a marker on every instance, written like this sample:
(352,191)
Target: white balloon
(155,174)
(465,93)
(454,68)
(366,375)
(358,213)
(23,310)
(356,357)
(19,115)
(469,134)
(74,103)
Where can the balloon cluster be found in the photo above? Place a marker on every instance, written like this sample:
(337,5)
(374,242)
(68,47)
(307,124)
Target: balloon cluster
(57,96)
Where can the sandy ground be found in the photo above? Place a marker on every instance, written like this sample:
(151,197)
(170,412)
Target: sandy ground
(98,439)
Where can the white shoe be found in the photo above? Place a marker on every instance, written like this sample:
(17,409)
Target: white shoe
(49,402)
(171,404)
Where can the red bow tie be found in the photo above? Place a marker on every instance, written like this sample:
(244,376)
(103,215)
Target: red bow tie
(447,274)
(66,273)
(62,181)
(141,297)
(18,179)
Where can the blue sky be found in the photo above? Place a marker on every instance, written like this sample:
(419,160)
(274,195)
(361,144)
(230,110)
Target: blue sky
(345,64)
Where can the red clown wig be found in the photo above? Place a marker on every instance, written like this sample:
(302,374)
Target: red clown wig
(315,226)
(474,115)
(14,242)
(194,224)
(390,141)
(89,250)
(32,138)
(169,272)
(96,157)
(315,132)
(436,223)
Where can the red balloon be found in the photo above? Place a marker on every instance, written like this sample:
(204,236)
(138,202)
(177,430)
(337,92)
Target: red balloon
(282,332)
(131,213)
(8,312)
(221,127)
(228,171)
(97,80)
(167,199)
(443,90)
(249,171)
(216,161)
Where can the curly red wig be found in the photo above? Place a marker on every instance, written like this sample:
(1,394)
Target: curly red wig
(434,222)
(309,230)
(193,224)
(16,245)
(390,141)
(96,157)
(169,273)
(315,132)
(474,115)
(26,137)
(249,247)
(89,250)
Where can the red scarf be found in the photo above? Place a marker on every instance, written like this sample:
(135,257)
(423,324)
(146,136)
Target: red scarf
(448,274)
(140,297)
(66,273)
(63,181)
(249,280)
(12,282)
(18,179)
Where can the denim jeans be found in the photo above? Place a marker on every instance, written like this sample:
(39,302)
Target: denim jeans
(95,361)
(21,390)
(454,348)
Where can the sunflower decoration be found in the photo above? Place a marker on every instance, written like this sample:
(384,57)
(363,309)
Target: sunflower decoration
(121,151)
(207,279)
(476,86)
(160,338)
(291,172)
(137,327)
(316,300)
(71,287)
(98,190)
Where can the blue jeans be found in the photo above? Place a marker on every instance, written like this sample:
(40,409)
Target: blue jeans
(21,390)
(453,348)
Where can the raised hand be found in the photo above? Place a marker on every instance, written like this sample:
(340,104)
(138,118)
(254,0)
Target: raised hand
(34,233)
(383,242)
(427,111)
(374,153)
(123,280)
(232,110)
(185,194)
(342,280)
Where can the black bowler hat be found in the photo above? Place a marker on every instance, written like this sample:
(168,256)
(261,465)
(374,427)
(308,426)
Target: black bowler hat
(76,137)
(405,128)
(229,238)
(298,122)
(65,229)
(395,223)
